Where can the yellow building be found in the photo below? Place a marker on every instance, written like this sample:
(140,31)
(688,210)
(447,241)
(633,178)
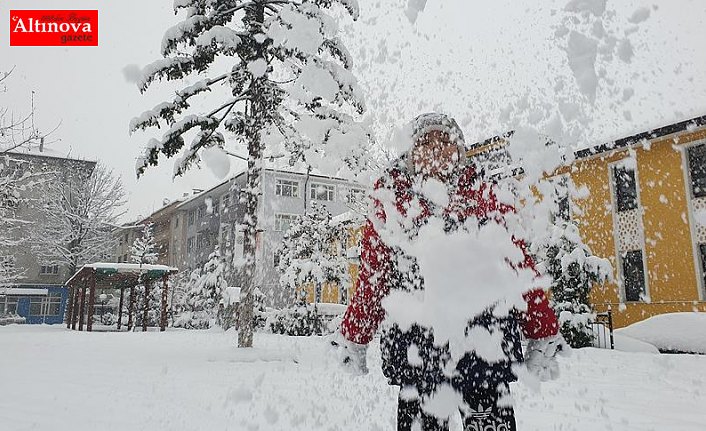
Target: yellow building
(646,212)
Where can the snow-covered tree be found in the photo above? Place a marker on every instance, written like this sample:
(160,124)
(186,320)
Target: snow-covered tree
(311,254)
(16,132)
(205,292)
(279,83)
(574,271)
(12,181)
(78,219)
(143,248)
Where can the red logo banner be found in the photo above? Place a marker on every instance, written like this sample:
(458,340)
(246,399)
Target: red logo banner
(53,28)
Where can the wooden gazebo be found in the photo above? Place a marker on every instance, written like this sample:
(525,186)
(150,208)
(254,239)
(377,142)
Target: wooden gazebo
(121,276)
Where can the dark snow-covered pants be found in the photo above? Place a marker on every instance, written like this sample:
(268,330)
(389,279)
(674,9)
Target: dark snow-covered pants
(481,413)
(483,385)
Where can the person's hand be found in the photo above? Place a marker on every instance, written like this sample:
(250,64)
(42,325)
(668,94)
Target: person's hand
(541,356)
(349,354)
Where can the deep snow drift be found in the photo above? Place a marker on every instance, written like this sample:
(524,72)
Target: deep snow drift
(55,379)
(682,332)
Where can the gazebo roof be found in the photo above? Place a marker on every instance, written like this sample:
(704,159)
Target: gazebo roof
(118,275)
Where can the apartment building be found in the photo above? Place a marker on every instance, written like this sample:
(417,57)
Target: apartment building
(197,223)
(37,294)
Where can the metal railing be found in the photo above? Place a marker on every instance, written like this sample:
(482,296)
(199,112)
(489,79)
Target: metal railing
(602,328)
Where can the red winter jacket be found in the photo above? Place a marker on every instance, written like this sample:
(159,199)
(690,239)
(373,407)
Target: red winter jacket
(365,312)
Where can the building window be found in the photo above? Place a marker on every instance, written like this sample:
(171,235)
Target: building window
(201,212)
(202,241)
(8,201)
(190,244)
(625,188)
(49,269)
(225,201)
(45,306)
(190,220)
(697,169)
(216,206)
(284,221)
(7,264)
(321,192)
(224,233)
(53,305)
(287,188)
(634,276)
(355,196)
(563,202)
(8,305)
(275,259)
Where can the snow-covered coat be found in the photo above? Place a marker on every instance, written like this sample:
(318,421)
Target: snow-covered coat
(469,197)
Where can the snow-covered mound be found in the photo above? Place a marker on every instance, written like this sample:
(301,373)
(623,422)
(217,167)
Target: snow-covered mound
(621,342)
(680,332)
(629,344)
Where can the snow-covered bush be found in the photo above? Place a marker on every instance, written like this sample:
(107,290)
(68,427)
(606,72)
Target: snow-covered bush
(298,320)
(574,271)
(10,319)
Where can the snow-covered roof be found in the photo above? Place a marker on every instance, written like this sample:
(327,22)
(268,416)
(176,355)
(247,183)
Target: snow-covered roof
(348,216)
(47,151)
(231,295)
(111,268)
(628,141)
(329,308)
(130,267)
(22,291)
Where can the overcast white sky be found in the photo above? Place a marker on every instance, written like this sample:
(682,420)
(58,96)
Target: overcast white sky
(472,59)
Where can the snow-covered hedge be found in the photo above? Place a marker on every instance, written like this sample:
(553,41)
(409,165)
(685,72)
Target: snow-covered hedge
(305,320)
(673,332)
(10,319)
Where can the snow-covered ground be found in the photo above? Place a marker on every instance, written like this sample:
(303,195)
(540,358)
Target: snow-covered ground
(54,379)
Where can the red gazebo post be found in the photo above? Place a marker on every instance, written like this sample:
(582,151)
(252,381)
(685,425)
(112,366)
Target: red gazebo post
(146,309)
(131,308)
(91,300)
(163,311)
(120,309)
(70,307)
(82,304)
(74,317)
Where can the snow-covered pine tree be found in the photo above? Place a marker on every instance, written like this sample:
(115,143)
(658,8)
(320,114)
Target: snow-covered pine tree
(574,271)
(143,249)
(310,254)
(206,287)
(286,90)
